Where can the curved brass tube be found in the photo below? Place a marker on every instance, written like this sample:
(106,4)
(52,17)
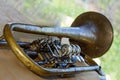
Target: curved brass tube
(2,37)
(29,63)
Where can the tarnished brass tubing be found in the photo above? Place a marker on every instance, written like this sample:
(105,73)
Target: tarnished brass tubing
(4,43)
(28,61)
(75,33)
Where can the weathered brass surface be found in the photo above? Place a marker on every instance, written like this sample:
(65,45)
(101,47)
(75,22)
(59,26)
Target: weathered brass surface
(91,30)
(101,33)
(30,63)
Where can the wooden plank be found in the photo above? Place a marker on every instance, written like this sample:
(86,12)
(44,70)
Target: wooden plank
(11,68)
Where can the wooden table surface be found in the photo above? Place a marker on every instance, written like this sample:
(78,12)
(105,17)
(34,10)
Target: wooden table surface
(11,68)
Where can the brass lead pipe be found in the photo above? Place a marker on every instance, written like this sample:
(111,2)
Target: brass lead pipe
(75,33)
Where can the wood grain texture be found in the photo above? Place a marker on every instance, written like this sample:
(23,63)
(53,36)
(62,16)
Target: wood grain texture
(11,68)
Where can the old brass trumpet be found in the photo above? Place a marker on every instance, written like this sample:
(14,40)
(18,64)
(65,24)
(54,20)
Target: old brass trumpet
(90,36)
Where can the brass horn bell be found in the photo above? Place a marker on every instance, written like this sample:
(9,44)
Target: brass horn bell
(98,29)
(92,31)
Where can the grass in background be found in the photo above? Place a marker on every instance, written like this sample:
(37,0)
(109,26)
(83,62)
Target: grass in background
(55,7)
(110,61)
(65,7)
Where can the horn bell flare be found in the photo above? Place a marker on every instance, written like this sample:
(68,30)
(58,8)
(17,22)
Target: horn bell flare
(102,30)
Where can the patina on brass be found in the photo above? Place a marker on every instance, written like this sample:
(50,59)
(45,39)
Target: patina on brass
(96,28)
(91,30)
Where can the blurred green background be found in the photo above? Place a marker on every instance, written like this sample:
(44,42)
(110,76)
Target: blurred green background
(63,12)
